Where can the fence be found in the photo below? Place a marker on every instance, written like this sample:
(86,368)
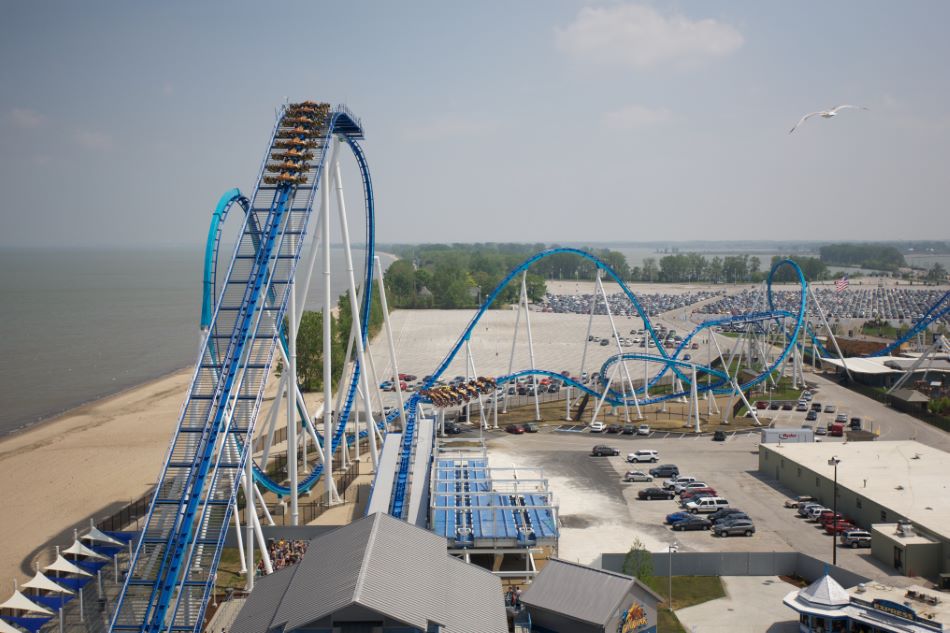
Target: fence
(138,509)
(740,564)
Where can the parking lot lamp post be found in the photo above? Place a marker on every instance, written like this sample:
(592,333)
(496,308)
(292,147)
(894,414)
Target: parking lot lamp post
(671,549)
(834,461)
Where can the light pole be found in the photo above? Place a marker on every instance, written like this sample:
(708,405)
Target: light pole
(834,461)
(671,549)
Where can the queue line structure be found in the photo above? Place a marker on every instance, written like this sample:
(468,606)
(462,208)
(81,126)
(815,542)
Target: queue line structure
(499,511)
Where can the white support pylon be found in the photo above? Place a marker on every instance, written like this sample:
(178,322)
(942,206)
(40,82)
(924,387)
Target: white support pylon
(291,408)
(514,343)
(481,402)
(694,396)
(821,315)
(329,485)
(387,326)
(527,322)
(603,395)
(355,308)
(626,372)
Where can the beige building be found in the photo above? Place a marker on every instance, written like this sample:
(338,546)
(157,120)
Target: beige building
(895,490)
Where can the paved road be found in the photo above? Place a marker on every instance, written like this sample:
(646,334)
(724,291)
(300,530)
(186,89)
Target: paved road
(765,613)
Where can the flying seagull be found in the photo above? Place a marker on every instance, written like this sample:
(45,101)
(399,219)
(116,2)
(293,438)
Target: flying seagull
(827,114)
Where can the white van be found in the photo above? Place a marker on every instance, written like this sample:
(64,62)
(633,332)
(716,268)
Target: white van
(644,455)
(707,504)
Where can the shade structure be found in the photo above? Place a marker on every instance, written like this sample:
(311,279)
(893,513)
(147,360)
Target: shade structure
(41,582)
(97,536)
(77,577)
(78,549)
(8,628)
(19,602)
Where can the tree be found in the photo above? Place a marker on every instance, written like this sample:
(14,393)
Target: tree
(638,562)
(937,274)
(650,270)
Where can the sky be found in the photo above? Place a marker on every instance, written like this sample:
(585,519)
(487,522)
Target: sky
(121,123)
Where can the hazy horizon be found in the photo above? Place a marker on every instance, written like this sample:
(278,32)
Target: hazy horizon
(121,124)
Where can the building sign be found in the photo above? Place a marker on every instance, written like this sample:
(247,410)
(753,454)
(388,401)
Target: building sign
(633,619)
(895,609)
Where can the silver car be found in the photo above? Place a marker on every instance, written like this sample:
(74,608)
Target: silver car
(637,475)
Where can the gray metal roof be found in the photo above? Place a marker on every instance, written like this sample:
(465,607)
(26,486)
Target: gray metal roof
(385,565)
(580,592)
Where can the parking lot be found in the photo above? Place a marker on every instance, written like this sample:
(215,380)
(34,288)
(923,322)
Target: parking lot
(601,513)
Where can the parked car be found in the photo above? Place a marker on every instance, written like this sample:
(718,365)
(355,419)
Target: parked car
(451,428)
(801,406)
(636,475)
(811,416)
(804,507)
(719,436)
(797,501)
(675,517)
(597,427)
(707,505)
(730,528)
(643,455)
(816,407)
(614,428)
(654,493)
(787,406)
(829,408)
(693,523)
(761,404)
(855,539)
(530,427)
(729,518)
(820,430)
(855,424)
(665,470)
(629,429)
(604,451)
(840,528)
(515,429)
(670,483)
(696,493)
(814,512)
(841,418)
(680,488)
(643,429)
(829,516)
(723,513)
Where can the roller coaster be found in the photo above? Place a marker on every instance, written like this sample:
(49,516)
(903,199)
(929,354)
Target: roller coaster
(250,313)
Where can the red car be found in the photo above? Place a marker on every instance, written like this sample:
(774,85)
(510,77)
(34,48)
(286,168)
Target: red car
(516,429)
(841,528)
(761,404)
(828,516)
(692,492)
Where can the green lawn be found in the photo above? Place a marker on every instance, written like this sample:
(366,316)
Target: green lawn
(687,591)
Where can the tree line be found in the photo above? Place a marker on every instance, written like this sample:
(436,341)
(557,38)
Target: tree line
(873,256)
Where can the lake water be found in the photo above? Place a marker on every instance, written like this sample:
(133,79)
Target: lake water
(80,325)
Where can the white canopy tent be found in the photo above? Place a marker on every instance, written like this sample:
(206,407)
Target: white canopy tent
(8,628)
(63,566)
(78,549)
(95,535)
(41,582)
(19,602)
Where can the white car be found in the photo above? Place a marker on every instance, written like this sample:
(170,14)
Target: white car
(643,455)
(597,427)
(643,429)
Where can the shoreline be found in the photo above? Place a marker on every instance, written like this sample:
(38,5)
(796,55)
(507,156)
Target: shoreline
(93,401)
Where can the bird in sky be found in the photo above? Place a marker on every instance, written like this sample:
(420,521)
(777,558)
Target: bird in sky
(827,114)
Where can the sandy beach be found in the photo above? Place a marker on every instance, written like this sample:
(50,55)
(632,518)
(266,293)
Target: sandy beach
(88,462)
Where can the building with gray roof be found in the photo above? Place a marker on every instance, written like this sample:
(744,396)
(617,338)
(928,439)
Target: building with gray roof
(574,598)
(375,575)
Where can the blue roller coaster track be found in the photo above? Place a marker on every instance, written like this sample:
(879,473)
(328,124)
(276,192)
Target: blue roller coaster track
(173,566)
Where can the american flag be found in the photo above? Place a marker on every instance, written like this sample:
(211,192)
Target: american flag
(841,284)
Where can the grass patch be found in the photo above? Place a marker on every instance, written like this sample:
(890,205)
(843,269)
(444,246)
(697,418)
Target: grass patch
(687,591)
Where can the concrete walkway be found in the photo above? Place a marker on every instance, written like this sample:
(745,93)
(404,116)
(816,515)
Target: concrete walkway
(752,603)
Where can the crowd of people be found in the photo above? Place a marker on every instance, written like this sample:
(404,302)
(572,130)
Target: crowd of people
(283,553)
(620,305)
(887,304)
(458,393)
